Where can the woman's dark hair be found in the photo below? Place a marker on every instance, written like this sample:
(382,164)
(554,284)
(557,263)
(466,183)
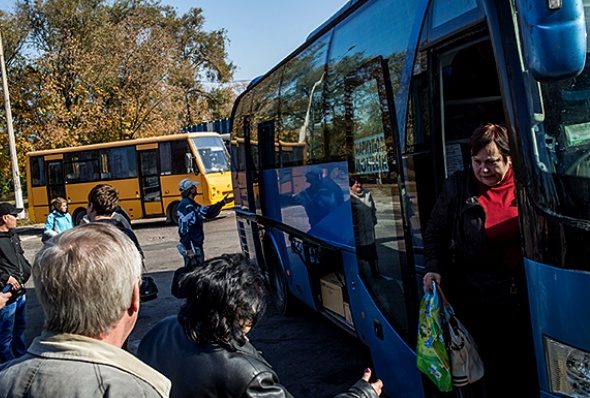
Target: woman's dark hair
(353,179)
(488,133)
(222,294)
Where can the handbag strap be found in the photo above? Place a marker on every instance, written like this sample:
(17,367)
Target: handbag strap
(448,308)
(442,295)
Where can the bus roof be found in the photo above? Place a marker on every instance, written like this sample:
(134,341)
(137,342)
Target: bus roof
(147,140)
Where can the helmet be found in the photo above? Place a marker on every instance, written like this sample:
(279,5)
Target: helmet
(186,183)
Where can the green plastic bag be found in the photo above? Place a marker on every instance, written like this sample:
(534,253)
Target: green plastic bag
(432,357)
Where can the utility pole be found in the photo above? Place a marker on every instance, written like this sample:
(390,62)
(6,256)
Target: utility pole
(18,192)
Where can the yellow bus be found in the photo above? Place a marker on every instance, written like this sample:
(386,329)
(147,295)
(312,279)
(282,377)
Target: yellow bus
(145,171)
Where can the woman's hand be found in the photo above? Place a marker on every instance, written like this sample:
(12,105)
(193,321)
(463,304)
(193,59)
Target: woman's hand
(377,385)
(428,279)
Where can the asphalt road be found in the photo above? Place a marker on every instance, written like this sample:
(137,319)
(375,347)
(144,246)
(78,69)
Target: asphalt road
(312,357)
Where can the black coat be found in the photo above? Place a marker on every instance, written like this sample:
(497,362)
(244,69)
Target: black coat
(209,370)
(12,259)
(455,246)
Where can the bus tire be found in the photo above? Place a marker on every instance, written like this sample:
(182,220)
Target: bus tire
(78,215)
(284,301)
(172,217)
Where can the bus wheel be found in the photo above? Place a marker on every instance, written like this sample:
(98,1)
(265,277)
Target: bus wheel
(284,302)
(78,216)
(172,217)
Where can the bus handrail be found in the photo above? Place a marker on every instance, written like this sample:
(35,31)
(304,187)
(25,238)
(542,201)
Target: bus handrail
(270,223)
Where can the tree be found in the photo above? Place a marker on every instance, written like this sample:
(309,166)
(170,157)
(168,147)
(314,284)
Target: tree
(88,71)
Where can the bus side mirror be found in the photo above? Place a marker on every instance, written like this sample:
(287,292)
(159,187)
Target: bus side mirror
(188,163)
(553,34)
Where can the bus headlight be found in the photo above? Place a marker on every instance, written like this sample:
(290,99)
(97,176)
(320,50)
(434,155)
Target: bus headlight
(568,369)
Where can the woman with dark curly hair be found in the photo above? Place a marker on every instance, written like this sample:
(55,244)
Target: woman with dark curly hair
(205,350)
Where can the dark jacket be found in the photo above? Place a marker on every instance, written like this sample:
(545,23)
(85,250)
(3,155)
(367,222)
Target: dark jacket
(127,231)
(12,259)
(455,246)
(190,221)
(209,370)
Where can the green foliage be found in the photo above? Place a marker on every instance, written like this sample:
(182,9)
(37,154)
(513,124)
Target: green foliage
(88,71)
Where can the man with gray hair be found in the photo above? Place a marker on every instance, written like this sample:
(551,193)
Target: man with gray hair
(87,281)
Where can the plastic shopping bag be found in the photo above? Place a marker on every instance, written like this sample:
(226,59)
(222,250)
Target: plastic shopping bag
(432,357)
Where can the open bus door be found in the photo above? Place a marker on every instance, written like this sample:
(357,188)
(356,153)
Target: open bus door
(388,300)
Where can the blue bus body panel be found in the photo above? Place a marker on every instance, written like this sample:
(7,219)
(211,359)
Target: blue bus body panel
(393,359)
(556,297)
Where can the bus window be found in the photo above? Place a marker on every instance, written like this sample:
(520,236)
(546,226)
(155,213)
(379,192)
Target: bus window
(172,157)
(118,163)
(212,154)
(301,121)
(370,134)
(37,171)
(81,166)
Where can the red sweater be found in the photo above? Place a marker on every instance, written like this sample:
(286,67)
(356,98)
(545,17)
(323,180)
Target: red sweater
(502,228)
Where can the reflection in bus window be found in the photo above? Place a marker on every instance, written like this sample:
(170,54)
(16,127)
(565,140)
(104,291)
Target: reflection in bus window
(369,130)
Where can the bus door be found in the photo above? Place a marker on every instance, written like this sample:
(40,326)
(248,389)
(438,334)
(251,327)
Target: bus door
(55,177)
(383,285)
(470,92)
(149,181)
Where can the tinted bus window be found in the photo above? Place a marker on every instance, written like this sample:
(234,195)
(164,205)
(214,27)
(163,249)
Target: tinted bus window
(445,10)
(265,109)
(382,29)
(81,166)
(301,105)
(172,157)
(118,163)
(37,171)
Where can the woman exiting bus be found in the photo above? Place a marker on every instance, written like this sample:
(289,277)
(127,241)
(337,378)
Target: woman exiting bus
(473,250)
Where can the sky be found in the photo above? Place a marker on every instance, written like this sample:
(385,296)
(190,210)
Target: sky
(261,32)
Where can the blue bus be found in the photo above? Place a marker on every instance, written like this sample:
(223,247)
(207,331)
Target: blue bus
(390,90)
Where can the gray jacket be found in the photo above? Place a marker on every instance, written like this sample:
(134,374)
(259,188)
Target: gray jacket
(68,365)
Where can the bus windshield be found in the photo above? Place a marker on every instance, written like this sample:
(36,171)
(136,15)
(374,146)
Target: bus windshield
(563,142)
(212,153)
